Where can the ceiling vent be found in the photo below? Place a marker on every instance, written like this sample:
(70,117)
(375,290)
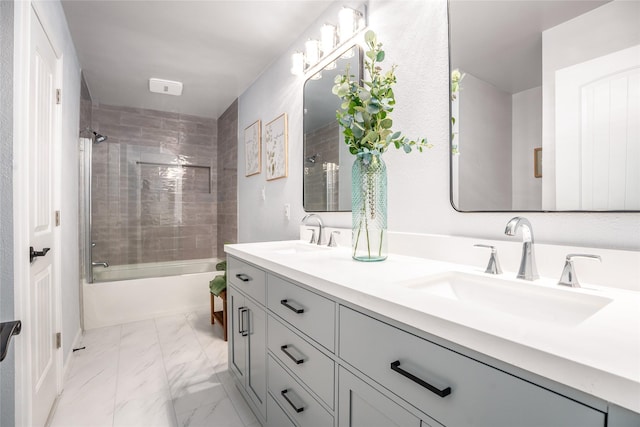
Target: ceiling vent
(166,87)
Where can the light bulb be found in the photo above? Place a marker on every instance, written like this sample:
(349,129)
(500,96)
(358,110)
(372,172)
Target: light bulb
(312,51)
(346,23)
(327,38)
(297,63)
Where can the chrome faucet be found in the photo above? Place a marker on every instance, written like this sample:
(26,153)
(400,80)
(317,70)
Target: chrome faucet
(320,226)
(528,270)
(100,264)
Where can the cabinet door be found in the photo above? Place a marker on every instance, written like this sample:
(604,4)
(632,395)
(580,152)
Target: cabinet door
(360,405)
(256,354)
(237,325)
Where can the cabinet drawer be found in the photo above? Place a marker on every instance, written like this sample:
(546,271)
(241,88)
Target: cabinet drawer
(312,367)
(310,313)
(479,394)
(247,278)
(299,405)
(276,416)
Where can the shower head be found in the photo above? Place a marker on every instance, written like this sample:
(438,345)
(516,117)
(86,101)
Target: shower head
(98,138)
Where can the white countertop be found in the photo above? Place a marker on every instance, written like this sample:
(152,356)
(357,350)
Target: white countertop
(599,355)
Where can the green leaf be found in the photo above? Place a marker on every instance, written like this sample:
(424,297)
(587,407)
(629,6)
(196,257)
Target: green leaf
(380,56)
(386,123)
(407,148)
(370,37)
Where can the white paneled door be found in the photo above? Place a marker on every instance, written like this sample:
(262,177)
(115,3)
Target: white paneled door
(43,316)
(598,133)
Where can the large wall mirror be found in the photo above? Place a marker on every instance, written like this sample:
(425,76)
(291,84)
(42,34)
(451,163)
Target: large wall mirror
(326,158)
(546,115)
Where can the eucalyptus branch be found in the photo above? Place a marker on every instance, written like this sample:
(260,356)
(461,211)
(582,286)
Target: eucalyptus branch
(365,112)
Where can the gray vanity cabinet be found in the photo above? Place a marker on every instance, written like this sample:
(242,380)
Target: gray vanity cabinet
(248,333)
(307,359)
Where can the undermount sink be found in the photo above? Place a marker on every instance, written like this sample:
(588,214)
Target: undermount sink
(292,248)
(512,297)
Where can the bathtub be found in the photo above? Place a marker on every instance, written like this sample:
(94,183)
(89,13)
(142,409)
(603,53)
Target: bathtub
(122,294)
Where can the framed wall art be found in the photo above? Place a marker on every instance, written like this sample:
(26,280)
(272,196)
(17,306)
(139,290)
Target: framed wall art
(252,151)
(275,139)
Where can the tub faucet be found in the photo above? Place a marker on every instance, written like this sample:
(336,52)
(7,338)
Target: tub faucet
(320,225)
(528,270)
(100,264)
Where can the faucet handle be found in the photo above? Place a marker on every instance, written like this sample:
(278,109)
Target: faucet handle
(332,240)
(313,235)
(494,265)
(568,277)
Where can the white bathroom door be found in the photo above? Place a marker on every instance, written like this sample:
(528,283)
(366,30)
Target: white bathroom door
(42,277)
(598,133)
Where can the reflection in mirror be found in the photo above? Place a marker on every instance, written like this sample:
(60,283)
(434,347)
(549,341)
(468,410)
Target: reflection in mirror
(326,158)
(549,84)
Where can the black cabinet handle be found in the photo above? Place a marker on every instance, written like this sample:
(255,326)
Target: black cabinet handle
(291,356)
(8,330)
(33,254)
(243,277)
(395,366)
(241,329)
(295,310)
(295,408)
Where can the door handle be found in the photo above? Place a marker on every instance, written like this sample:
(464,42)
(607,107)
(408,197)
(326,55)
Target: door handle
(8,330)
(33,254)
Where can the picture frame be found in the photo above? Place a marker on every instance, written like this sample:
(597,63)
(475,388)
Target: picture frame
(537,162)
(276,148)
(252,149)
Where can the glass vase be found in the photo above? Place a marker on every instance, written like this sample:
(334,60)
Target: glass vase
(369,208)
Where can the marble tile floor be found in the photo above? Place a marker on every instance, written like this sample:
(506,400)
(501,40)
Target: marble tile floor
(166,372)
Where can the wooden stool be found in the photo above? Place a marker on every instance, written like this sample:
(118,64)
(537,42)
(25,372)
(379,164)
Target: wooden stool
(220,316)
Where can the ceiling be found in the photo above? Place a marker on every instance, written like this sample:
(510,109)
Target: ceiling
(500,41)
(215,48)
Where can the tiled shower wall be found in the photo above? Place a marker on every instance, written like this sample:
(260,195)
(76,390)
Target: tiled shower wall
(228,177)
(319,193)
(146,209)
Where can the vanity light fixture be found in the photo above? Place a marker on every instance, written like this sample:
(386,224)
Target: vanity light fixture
(350,21)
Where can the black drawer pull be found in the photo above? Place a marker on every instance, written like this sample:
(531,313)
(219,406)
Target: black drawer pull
(291,356)
(295,408)
(442,393)
(243,277)
(285,302)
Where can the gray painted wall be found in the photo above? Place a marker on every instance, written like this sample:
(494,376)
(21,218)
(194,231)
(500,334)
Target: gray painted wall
(7,367)
(415,36)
